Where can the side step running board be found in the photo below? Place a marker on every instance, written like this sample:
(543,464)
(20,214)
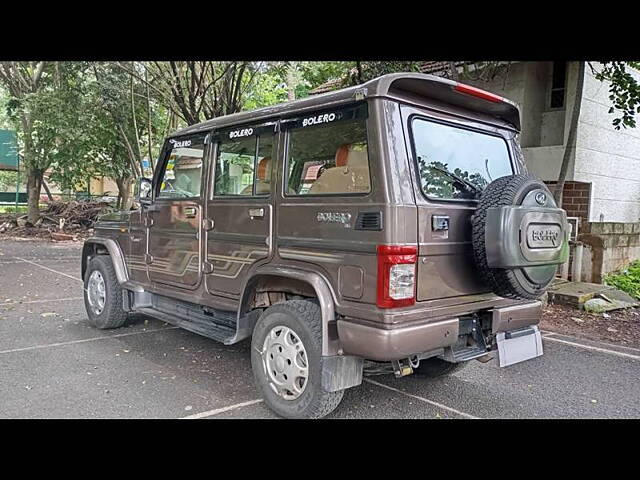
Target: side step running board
(219,325)
(207,328)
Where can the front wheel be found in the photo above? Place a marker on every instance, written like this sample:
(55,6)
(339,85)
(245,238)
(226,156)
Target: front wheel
(103,295)
(286,358)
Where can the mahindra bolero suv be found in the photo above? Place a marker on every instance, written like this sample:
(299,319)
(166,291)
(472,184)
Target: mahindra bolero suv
(385,227)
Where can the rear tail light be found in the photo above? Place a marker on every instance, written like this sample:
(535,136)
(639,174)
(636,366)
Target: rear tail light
(476,92)
(396,276)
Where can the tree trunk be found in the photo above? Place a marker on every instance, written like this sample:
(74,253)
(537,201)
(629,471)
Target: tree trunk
(571,140)
(34,184)
(124,186)
(292,81)
(46,189)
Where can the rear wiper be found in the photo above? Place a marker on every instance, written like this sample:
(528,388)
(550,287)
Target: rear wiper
(473,187)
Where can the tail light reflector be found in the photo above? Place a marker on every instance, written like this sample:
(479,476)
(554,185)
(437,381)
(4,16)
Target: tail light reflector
(396,276)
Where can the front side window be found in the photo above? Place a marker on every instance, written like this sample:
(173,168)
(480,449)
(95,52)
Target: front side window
(328,158)
(457,163)
(183,170)
(244,166)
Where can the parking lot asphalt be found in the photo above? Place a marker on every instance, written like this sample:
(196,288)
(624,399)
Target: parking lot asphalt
(53,364)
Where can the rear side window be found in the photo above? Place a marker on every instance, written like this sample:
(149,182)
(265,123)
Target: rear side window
(244,166)
(457,163)
(328,157)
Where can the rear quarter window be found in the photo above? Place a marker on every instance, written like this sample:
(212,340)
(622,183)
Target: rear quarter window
(328,159)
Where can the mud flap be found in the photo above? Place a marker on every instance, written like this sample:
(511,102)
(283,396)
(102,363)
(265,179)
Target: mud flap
(341,371)
(517,346)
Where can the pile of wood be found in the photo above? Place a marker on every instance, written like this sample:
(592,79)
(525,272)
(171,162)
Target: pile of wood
(59,221)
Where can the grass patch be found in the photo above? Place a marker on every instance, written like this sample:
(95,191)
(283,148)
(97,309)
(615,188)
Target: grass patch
(627,280)
(12,209)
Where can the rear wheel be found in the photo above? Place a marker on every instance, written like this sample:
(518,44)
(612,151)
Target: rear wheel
(286,357)
(436,367)
(103,295)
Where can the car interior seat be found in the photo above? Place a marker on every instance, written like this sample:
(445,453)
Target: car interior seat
(263,178)
(350,175)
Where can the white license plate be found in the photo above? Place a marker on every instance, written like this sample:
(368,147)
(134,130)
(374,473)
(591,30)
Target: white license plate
(519,345)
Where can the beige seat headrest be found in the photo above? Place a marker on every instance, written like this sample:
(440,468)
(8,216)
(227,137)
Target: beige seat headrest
(351,175)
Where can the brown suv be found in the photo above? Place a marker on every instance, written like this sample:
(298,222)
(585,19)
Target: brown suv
(389,226)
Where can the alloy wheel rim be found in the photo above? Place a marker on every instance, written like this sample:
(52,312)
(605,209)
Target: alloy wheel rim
(96,292)
(285,362)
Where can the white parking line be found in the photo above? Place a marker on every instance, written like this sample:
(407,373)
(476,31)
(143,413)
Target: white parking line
(63,259)
(50,269)
(422,399)
(596,349)
(72,342)
(578,339)
(41,301)
(217,411)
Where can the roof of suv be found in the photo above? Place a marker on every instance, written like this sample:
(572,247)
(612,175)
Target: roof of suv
(394,85)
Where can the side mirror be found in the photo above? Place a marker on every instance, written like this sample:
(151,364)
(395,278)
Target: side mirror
(143,191)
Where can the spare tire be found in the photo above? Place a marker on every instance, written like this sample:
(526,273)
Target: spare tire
(523,278)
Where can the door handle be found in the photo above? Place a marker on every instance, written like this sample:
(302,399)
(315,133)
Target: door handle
(208,224)
(440,223)
(256,213)
(190,212)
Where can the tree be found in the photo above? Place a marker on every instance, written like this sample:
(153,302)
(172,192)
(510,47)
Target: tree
(127,125)
(196,90)
(571,138)
(41,108)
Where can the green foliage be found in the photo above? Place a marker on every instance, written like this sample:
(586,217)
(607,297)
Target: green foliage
(4,119)
(12,209)
(627,280)
(268,88)
(624,92)
(8,180)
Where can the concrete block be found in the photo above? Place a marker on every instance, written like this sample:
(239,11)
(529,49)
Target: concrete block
(618,228)
(623,241)
(628,228)
(609,241)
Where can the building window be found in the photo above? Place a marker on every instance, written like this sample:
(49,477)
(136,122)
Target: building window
(558,80)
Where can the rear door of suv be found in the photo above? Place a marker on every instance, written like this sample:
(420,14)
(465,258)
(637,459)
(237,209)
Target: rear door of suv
(239,218)
(453,159)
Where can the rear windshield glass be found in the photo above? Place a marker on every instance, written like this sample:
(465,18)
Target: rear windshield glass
(457,163)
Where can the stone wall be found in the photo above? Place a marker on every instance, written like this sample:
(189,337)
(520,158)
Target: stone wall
(608,246)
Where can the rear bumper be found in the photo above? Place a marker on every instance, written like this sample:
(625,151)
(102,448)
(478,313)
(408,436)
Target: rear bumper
(376,343)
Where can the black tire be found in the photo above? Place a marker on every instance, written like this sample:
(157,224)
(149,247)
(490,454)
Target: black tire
(508,283)
(112,315)
(304,318)
(436,367)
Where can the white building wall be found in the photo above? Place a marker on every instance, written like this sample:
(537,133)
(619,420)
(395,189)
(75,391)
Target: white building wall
(543,130)
(606,157)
